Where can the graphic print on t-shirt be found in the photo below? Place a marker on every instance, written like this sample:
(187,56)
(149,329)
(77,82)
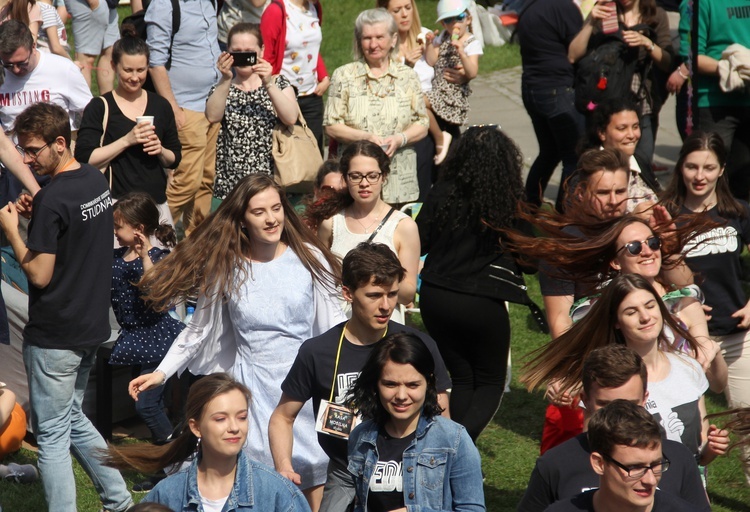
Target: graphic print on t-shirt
(344,381)
(719,240)
(387,477)
(673,420)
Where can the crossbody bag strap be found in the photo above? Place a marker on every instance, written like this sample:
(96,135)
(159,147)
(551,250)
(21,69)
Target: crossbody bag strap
(382,223)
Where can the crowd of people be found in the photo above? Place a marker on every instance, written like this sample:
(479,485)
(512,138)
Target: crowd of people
(308,391)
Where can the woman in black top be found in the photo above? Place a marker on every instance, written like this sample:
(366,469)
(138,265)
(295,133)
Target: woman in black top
(467,277)
(133,154)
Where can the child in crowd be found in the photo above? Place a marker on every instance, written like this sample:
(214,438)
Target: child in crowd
(455,47)
(145,335)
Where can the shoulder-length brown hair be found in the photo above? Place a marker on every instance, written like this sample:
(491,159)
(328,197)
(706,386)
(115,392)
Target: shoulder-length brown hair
(213,260)
(562,358)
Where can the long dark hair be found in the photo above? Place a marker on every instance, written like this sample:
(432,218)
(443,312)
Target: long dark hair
(401,348)
(212,261)
(485,171)
(562,358)
(674,195)
(148,458)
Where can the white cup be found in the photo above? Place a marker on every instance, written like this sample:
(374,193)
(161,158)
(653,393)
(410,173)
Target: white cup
(149,119)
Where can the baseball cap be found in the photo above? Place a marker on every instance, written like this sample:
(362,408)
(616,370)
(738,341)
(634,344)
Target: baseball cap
(450,8)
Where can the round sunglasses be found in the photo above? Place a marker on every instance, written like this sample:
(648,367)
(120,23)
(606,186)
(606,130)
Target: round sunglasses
(635,247)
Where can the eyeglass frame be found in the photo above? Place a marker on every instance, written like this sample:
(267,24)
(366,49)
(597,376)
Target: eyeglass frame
(453,19)
(19,65)
(31,153)
(362,176)
(664,463)
(640,245)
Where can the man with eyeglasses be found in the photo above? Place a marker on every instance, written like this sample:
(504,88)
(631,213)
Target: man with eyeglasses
(32,77)
(68,261)
(610,373)
(626,454)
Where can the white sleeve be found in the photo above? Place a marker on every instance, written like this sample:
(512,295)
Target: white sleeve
(78,92)
(474,47)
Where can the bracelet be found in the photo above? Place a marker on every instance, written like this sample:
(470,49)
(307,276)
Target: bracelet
(679,72)
(404,140)
(651,49)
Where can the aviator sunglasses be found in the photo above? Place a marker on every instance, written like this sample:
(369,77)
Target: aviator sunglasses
(635,247)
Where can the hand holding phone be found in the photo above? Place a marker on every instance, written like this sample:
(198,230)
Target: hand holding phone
(610,24)
(242,59)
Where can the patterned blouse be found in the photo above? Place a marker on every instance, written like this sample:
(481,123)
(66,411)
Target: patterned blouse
(385,105)
(245,137)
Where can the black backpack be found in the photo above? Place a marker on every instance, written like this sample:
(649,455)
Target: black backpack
(137,20)
(604,73)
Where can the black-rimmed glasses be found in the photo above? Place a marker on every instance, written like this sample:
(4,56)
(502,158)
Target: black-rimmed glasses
(30,152)
(635,472)
(635,247)
(357,177)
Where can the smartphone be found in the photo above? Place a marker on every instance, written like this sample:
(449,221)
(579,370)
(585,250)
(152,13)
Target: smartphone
(244,59)
(609,24)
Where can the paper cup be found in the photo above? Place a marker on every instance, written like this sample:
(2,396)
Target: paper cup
(141,119)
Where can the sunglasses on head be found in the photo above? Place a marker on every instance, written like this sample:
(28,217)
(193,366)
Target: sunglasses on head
(460,17)
(635,247)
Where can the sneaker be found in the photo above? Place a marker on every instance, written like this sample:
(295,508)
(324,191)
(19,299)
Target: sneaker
(21,473)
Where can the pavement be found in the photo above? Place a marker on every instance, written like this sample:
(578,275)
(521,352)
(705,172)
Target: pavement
(496,99)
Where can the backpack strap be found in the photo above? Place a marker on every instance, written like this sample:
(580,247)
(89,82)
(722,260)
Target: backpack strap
(176,18)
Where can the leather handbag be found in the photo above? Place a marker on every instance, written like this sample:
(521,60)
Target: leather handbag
(296,156)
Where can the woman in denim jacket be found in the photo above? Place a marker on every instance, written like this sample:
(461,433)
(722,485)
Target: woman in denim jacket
(405,457)
(221,476)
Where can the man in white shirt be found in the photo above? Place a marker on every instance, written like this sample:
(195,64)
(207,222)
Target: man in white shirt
(32,77)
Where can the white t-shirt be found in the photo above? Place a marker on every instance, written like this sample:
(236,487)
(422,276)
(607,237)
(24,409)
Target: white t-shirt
(303,38)
(54,80)
(213,505)
(673,401)
(424,71)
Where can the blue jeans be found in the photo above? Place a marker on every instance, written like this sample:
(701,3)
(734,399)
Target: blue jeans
(150,407)
(57,381)
(558,127)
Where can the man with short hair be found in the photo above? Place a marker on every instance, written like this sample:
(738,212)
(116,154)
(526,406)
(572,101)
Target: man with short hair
(609,373)
(68,262)
(626,454)
(32,76)
(327,366)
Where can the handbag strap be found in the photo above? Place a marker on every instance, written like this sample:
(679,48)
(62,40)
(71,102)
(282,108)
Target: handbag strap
(382,223)
(105,122)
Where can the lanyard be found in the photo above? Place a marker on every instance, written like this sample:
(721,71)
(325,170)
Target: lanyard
(338,355)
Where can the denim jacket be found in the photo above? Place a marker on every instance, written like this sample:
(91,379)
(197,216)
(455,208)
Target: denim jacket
(442,467)
(256,487)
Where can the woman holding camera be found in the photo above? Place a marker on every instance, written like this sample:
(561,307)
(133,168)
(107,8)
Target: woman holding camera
(248,106)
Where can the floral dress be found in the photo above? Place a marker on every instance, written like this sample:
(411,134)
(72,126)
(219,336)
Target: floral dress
(245,138)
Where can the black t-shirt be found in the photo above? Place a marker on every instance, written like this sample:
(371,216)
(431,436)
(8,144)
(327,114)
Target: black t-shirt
(715,258)
(311,374)
(387,482)
(133,169)
(545,29)
(663,502)
(72,219)
(565,471)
